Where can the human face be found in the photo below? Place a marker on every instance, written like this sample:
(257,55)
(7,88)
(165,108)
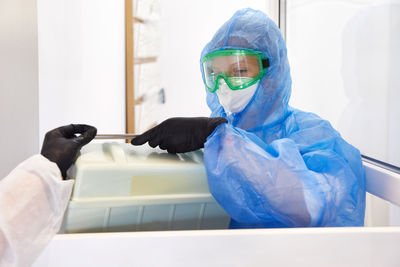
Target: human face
(239,68)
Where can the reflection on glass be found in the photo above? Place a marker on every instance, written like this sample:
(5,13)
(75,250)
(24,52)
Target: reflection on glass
(344,59)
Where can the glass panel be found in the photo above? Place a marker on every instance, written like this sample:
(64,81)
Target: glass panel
(344,62)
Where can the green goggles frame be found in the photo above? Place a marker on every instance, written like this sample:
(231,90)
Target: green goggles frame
(244,82)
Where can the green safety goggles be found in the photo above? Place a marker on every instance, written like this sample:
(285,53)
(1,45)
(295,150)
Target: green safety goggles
(239,68)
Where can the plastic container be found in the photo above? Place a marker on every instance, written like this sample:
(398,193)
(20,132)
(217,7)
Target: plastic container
(320,246)
(120,187)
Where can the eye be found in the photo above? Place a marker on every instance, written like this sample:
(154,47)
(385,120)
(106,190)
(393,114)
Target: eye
(241,72)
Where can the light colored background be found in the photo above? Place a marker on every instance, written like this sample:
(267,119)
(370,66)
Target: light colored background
(18,83)
(184,36)
(344,63)
(81,64)
(344,59)
(71,67)
(64,62)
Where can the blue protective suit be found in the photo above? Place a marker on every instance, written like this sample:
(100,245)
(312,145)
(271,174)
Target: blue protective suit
(273,165)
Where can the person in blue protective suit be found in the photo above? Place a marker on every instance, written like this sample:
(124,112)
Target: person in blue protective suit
(268,164)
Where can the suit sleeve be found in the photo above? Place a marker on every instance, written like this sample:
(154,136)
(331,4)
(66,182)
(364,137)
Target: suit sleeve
(33,199)
(286,182)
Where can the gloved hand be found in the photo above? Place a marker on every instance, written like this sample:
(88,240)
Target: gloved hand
(62,146)
(179,135)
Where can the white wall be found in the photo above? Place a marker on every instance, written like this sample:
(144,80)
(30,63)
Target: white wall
(344,62)
(82,56)
(187,26)
(18,83)
(82,64)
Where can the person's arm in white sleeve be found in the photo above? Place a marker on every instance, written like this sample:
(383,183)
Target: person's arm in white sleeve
(34,196)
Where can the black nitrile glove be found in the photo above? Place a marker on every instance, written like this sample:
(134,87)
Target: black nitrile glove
(62,146)
(180,135)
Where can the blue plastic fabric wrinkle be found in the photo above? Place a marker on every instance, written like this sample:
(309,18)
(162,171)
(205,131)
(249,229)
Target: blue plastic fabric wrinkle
(268,126)
(249,204)
(336,175)
(272,165)
(229,32)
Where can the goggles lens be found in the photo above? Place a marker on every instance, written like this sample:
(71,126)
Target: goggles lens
(239,68)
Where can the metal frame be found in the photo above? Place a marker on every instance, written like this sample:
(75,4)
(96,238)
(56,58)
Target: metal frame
(381,164)
(282,17)
(115,136)
(382,182)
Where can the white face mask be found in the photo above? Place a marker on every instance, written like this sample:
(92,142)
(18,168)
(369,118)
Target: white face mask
(234,101)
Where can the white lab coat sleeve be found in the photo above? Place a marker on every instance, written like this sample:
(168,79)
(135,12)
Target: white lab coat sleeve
(33,198)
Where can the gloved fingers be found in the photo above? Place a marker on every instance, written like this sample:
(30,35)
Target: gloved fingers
(182,149)
(219,120)
(143,138)
(163,146)
(154,142)
(214,122)
(87,133)
(176,147)
(171,150)
(67,131)
(70,130)
(81,128)
(195,147)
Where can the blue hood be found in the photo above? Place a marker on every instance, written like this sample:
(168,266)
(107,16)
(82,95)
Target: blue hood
(252,29)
